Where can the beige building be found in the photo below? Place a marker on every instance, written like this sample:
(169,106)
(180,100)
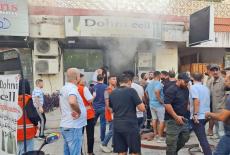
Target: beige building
(121,34)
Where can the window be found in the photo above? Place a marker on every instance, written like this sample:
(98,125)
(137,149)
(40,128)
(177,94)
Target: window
(87,59)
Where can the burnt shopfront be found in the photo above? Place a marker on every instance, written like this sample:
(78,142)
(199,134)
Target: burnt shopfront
(95,41)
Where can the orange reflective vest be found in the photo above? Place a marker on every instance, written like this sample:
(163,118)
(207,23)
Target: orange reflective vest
(30,128)
(108,113)
(88,106)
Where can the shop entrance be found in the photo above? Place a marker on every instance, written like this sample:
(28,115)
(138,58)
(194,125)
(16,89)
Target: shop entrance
(196,59)
(87,60)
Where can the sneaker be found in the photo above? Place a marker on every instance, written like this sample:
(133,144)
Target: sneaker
(215,136)
(156,137)
(42,137)
(161,140)
(105,149)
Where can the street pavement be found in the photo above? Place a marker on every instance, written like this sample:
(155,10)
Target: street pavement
(56,148)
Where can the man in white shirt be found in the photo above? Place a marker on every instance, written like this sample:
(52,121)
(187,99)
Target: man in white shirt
(73,111)
(38,100)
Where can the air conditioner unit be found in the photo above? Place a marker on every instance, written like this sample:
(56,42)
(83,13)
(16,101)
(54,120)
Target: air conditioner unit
(46,66)
(45,47)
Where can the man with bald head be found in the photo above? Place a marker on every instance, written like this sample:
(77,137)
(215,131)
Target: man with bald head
(73,111)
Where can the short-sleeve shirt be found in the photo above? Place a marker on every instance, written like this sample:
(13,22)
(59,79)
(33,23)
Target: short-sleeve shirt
(151,88)
(99,101)
(178,98)
(37,92)
(123,101)
(67,120)
(167,85)
(217,89)
(202,93)
(227,123)
(140,91)
(88,96)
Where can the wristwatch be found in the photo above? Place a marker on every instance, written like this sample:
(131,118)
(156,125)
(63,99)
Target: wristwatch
(195,114)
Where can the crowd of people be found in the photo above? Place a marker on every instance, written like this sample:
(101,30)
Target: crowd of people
(170,105)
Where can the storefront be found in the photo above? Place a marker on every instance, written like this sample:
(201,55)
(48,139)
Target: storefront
(14,30)
(117,40)
(196,58)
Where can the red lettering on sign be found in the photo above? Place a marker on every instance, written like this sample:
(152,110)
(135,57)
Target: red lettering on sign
(10,7)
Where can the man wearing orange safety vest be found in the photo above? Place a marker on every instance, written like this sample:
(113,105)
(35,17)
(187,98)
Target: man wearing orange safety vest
(31,129)
(88,99)
(108,113)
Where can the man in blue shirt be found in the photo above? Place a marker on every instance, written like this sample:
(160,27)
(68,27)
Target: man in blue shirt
(99,104)
(155,93)
(199,105)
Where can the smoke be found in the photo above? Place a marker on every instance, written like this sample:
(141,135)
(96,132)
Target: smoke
(121,53)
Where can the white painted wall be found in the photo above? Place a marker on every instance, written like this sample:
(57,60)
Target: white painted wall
(46,26)
(53,82)
(166,57)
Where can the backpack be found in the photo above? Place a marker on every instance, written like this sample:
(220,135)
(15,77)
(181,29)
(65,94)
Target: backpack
(32,113)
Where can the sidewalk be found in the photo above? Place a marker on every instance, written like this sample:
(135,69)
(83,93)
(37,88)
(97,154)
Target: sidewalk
(56,148)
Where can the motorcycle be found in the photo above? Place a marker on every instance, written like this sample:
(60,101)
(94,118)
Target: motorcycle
(51,138)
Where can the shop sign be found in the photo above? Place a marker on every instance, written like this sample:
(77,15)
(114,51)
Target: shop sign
(107,26)
(9,113)
(14,18)
(145,59)
(173,32)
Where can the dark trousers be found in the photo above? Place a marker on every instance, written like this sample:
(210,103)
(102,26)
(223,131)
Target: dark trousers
(90,134)
(176,136)
(140,122)
(42,123)
(149,116)
(199,130)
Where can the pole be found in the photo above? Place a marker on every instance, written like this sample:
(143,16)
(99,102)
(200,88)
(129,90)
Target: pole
(23,101)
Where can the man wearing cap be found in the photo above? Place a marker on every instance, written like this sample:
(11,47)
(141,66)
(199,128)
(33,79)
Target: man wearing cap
(176,103)
(217,90)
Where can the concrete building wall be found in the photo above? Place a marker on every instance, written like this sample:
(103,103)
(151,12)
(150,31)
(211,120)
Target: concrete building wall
(166,57)
(52,82)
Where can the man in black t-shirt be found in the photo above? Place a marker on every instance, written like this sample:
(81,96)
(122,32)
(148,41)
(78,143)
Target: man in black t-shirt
(124,100)
(176,103)
(171,81)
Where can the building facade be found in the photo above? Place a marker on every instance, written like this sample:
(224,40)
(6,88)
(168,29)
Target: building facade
(121,34)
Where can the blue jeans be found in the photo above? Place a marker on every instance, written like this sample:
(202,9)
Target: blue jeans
(223,146)
(101,113)
(72,140)
(29,146)
(109,135)
(199,130)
